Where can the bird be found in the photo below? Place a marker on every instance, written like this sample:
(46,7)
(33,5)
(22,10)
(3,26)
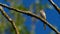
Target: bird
(43,15)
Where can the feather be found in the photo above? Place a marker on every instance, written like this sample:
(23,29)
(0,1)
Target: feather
(43,15)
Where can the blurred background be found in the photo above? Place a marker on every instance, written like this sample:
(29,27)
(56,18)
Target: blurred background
(27,24)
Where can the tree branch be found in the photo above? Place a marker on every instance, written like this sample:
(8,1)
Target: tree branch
(55,6)
(32,15)
(9,19)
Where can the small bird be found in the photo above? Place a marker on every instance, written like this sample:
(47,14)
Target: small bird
(43,15)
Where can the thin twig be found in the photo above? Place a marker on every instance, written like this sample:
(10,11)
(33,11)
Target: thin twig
(55,6)
(32,15)
(9,19)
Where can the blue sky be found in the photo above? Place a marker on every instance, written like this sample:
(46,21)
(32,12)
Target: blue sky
(52,16)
